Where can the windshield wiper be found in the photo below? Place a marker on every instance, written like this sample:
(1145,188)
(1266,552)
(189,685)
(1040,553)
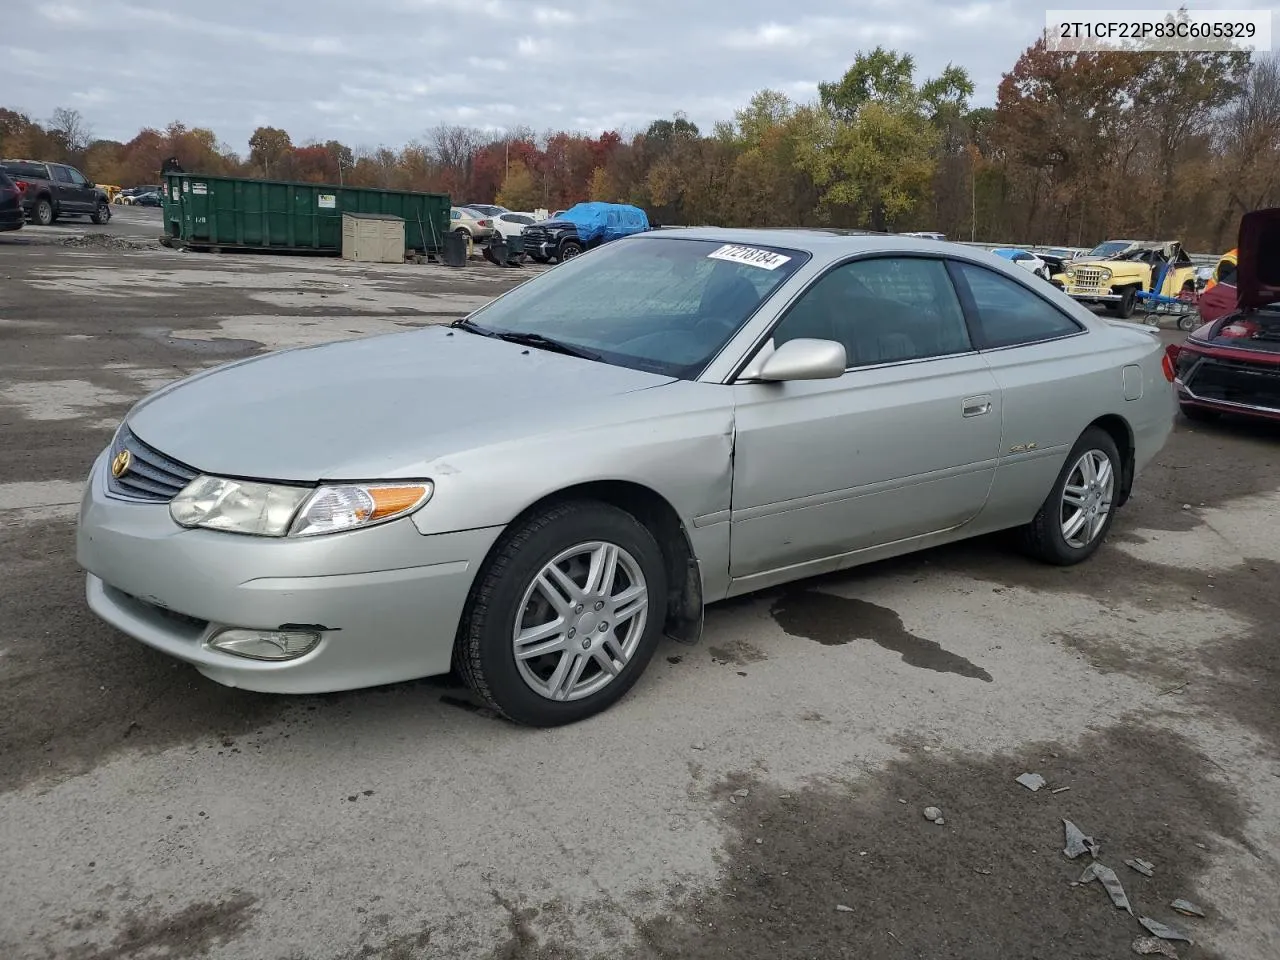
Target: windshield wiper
(547,343)
(472,327)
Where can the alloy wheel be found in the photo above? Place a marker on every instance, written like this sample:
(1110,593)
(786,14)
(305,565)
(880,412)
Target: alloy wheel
(580,621)
(1087,498)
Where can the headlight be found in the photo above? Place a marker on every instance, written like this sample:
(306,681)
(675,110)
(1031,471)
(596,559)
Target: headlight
(276,510)
(1106,275)
(1070,274)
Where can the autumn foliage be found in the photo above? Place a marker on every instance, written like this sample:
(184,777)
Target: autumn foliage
(1078,148)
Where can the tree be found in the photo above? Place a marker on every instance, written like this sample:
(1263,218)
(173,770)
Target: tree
(269,149)
(69,129)
(519,191)
(602,186)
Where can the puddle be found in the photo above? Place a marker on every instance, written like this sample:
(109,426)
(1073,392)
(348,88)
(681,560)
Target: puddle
(833,621)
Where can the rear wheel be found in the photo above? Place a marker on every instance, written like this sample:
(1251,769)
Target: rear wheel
(101,213)
(44,214)
(564,616)
(1077,514)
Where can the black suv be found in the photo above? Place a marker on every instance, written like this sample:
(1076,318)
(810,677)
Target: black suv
(53,190)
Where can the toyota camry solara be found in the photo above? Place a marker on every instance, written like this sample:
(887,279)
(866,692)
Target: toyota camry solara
(532,496)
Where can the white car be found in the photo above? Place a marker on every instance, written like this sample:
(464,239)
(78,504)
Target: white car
(511,224)
(1024,259)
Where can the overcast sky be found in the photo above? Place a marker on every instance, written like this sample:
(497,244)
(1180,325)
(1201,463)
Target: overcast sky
(371,72)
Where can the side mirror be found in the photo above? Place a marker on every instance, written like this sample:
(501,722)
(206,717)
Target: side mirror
(804,359)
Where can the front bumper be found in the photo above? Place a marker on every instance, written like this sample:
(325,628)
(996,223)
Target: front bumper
(386,601)
(1230,384)
(1092,294)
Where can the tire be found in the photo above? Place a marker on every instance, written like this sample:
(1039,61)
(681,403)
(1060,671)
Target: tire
(43,213)
(101,213)
(568,250)
(1188,322)
(463,232)
(1128,302)
(508,592)
(1198,414)
(1044,537)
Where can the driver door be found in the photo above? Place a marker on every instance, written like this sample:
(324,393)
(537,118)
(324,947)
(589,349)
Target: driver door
(904,444)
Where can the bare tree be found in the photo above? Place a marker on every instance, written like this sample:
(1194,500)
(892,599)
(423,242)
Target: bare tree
(1249,138)
(71,130)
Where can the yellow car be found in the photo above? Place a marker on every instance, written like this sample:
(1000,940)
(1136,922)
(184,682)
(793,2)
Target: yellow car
(1114,281)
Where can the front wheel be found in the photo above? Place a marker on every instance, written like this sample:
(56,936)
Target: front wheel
(564,616)
(569,249)
(101,213)
(1077,514)
(44,214)
(1128,303)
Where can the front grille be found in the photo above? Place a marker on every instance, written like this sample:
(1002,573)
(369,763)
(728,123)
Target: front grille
(151,476)
(1234,382)
(1088,277)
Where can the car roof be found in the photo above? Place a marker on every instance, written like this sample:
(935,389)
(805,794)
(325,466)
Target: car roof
(819,243)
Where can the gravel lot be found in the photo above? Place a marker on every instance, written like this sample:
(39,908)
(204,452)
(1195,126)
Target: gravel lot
(744,791)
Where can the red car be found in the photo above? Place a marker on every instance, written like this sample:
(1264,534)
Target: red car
(1232,365)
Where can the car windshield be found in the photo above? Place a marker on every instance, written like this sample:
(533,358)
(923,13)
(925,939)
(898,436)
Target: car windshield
(664,305)
(1109,248)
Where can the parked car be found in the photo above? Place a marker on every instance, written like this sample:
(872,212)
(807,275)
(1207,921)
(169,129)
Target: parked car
(676,418)
(1115,280)
(1232,364)
(1024,259)
(582,227)
(129,197)
(147,200)
(53,190)
(12,216)
(512,224)
(470,223)
(487,209)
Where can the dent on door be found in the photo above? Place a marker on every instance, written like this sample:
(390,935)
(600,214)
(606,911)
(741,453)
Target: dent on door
(824,468)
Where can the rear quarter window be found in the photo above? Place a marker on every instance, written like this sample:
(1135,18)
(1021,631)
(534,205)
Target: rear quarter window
(1005,313)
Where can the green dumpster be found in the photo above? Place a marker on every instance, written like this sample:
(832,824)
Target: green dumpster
(236,213)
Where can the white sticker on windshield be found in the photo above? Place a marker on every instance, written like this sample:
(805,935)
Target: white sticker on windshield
(752,256)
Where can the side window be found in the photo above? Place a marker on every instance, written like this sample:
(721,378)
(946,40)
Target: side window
(77,177)
(455,214)
(1007,313)
(61,174)
(883,310)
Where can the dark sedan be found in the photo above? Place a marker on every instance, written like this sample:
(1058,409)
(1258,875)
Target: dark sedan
(11,214)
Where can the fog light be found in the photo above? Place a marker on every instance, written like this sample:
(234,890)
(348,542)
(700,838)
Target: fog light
(265,644)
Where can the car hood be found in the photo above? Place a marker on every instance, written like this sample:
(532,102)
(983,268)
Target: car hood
(1258,259)
(556,224)
(375,408)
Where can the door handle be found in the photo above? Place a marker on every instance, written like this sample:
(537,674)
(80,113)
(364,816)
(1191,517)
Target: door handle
(976,406)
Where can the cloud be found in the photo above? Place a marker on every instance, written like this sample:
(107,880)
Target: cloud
(387,71)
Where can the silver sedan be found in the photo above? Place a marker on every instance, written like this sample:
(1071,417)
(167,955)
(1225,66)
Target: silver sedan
(534,495)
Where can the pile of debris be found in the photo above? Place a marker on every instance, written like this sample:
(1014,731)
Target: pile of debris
(1161,936)
(107,241)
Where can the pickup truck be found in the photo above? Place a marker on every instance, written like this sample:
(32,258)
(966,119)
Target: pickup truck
(581,227)
(53,190)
